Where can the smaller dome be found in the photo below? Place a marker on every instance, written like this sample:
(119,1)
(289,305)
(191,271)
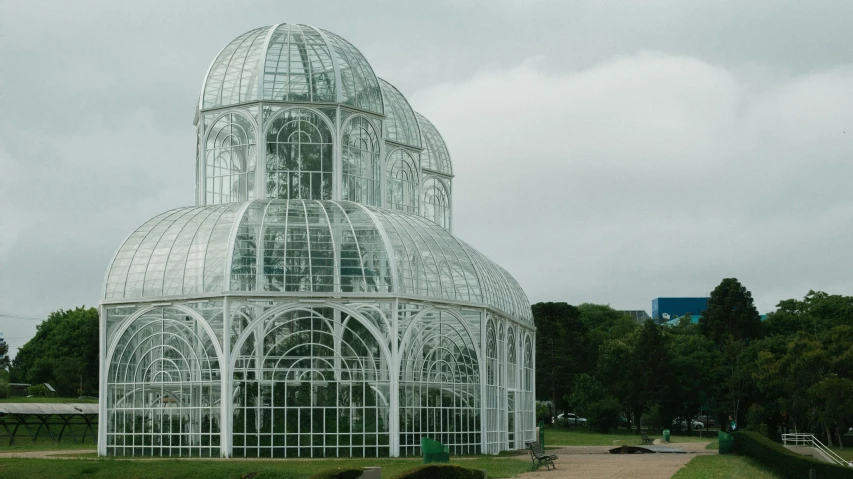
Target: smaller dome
(401,126)
(435,156)
(291,62)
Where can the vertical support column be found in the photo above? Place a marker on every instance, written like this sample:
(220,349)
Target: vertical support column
(394,371)
(382,166)
(337,163)
(531,396)
(261,152)
(226,415)
(483,382)
(102,384)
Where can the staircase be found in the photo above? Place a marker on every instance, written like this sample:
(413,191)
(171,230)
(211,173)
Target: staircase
(800,443)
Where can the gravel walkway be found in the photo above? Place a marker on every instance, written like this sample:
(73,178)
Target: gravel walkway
(596,461)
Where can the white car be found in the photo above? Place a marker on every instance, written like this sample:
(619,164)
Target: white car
(572,418)
(694,424)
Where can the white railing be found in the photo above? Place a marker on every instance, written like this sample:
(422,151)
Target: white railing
(808,440)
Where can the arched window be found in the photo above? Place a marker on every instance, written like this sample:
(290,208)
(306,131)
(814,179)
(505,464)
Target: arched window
(299,156)
(230,161)
(162,388)
(402,182)
(436,204)
(311,384)
(361,173)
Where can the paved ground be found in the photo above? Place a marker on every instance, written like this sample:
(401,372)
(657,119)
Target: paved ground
(596,461)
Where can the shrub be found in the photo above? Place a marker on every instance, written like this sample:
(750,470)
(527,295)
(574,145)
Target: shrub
(442,471)
(604,415)
(783,462)
(338,474)
(37,390)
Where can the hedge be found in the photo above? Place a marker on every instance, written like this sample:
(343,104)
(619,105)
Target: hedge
(339,474)
(442,471)
(783,462)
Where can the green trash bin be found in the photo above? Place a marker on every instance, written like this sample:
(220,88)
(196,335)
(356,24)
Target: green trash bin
(727,442)
(666,435)
(434,451)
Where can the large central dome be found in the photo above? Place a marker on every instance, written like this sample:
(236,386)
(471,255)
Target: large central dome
(294,63)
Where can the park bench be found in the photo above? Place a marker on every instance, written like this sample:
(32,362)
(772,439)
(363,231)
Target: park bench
(538,456)
(646,438)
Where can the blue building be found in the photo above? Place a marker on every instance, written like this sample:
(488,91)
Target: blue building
(675,307)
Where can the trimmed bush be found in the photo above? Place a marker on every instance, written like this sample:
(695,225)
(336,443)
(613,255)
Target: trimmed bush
(442,471)
(783,462)
(338,474)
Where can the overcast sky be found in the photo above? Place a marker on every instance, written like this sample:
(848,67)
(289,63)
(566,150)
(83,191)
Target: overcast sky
(607,152)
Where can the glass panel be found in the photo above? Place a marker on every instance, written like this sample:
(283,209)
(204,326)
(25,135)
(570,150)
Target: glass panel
(361,171)
(299,156)
(436,204)
(402,184)
(230,160)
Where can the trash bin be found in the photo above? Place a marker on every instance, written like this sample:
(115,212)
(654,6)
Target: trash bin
(727,442)
(434,451)
(666,435)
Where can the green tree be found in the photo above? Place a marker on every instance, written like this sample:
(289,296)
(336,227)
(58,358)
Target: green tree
(560,350)
(63,352)
(833,405)
(731,313)
(4,355)
(697,367)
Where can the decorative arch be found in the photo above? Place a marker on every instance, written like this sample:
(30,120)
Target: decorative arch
(230,158)
(361,173)
(299,155)
(436,202)
(311,382)
(402,181)
(163,385)
(439,383)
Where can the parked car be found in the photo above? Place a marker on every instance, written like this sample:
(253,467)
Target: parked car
(694,424)
(573,419)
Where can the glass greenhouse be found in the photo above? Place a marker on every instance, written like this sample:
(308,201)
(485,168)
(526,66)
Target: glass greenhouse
(314,302)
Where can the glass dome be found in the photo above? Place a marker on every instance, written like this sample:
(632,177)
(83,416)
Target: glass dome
(303,247)
(401,126)
(435,156)
(293,63)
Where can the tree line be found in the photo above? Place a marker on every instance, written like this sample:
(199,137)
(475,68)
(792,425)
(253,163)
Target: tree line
(62,353)
(790,372)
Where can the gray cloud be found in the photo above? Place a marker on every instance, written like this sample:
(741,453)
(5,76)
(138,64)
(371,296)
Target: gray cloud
(606,152)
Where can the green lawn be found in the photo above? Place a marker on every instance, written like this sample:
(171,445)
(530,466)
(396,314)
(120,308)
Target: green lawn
(48,400)
(717,466)
(846,453)
(577,437)
(283,469)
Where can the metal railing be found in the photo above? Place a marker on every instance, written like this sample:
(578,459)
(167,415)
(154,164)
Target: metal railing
(809,440)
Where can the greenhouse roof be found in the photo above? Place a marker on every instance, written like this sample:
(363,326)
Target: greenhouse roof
(305,246)
(294,63)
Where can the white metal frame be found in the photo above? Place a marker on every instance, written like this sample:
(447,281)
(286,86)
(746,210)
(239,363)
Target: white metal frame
(293,328)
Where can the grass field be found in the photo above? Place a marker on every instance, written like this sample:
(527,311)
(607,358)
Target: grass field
(47,400)
(576,437)
(716,466)
(293,469)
